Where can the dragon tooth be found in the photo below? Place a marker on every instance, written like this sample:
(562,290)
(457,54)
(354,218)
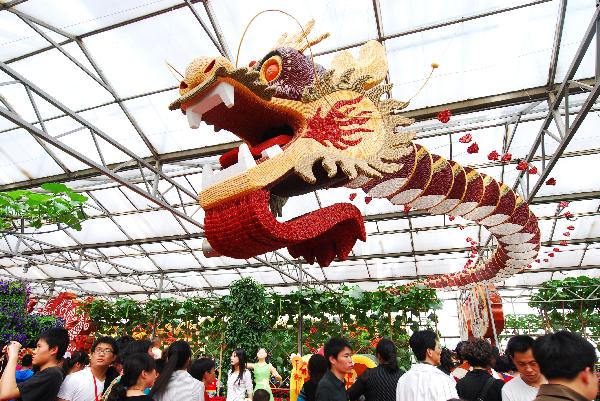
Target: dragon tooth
(208,177)
(226,93)
(222,93)
(194,119)
(245,158)
(271,151)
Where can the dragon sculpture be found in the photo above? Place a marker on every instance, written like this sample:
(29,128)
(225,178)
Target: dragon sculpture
(305,128)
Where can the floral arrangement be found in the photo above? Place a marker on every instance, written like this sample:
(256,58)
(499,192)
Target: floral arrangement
(15,323)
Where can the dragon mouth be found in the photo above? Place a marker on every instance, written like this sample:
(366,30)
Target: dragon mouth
(244,225)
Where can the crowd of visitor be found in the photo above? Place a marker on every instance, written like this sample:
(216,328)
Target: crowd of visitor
(559,366)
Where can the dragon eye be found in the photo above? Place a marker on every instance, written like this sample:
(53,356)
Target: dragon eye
(271,69)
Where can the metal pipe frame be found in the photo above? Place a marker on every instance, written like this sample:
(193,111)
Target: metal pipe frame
(75,257)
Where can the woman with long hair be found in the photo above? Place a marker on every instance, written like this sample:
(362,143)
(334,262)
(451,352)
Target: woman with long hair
(174,382)
(139,373)
(379,383)
(203,369)
(76,362)
(239,382)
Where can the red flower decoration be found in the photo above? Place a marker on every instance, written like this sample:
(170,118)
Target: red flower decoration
(533,170)
(474,148)
(551,254)
(563,242)
(352,196)
(407,208)
(571,228)
(568,215)
(469,239)
(466,138)
(546,260)
(451,218)
(444,116)
(567,234)
(313,330)
(368,199)
(522,165)
(556,249)
(551,181)
(506,157)
(563,204)
(493,155)
(461,227)
(537,261)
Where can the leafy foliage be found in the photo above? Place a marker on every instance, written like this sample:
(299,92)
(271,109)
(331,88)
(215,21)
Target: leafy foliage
(61,205)
(248,315)
(210,324)
(15,323)
(570,304)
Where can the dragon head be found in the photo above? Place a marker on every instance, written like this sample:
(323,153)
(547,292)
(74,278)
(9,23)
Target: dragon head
(303,127)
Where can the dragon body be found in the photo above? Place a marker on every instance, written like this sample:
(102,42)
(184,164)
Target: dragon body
(305,128)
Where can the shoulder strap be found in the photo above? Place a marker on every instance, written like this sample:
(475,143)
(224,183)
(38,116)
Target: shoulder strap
(488,384)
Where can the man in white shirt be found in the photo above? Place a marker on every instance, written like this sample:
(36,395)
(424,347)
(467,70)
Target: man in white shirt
(525,386)
(88,384)
(424,381)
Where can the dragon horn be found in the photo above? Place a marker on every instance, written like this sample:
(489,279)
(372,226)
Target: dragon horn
(439,186)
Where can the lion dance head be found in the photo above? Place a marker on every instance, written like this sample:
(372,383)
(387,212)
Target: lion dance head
(306,128)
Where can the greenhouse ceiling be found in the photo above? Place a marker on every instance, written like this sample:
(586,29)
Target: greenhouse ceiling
(84,90)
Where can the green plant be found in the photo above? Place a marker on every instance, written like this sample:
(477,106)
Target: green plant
(60,206)
(248,315)
(210,324)
(569,304)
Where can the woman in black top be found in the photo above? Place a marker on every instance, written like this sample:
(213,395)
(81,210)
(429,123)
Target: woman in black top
(139,373)
(379,384)
(472,387)
(317,366)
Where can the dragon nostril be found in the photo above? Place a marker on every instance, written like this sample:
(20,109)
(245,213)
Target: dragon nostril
(183,85)
(209,66)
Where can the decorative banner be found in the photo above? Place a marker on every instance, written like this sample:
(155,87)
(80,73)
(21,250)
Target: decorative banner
(300,374)
(475,319)
(79,325)
(306,128)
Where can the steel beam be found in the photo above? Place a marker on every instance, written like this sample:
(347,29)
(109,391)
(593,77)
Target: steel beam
(490,102)
(99,30)
(382,280)
(214,150)
(102,169)
(560,23)
(555,100)
(436,25)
